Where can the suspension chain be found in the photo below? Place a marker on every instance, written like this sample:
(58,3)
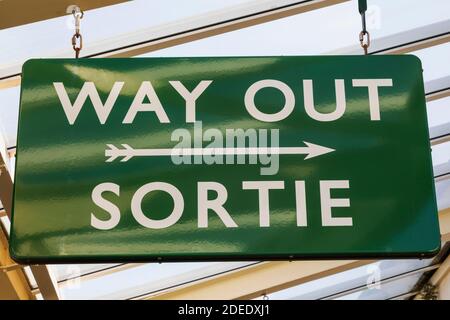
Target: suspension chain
(77,39)
(364,36)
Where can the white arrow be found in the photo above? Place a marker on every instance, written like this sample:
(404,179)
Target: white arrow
(311,150)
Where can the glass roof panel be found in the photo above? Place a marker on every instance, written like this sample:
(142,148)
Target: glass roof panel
(63,272)
(111,27)
(441,158)
(6,223)
(438,117)
(144,279)
(9,114)
(331,33)
(105,29)
(435,76)
(347,280)
(30,277)
(387,290)
(443,194)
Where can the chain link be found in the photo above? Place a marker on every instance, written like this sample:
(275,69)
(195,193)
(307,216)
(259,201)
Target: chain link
(77,39)
(364,40)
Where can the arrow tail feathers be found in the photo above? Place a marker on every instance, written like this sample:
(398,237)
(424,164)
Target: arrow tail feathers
(126,158)
(111,153)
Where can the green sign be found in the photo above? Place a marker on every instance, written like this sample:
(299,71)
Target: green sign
(223,159)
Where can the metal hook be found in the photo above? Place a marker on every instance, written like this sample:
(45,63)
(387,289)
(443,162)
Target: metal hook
(364,40)
(77,15)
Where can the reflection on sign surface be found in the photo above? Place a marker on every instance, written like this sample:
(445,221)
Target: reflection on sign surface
(223,158)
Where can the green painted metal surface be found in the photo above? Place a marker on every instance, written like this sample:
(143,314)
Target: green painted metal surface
(377,162)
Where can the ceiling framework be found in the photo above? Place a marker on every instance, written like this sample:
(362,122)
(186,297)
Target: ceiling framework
(403,43)
(271,276)
(44,278)
(262,278)
(26,11)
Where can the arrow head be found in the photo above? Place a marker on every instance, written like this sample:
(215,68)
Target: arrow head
(315,150)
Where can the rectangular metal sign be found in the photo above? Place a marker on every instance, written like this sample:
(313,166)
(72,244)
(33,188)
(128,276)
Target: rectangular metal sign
(235,158)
